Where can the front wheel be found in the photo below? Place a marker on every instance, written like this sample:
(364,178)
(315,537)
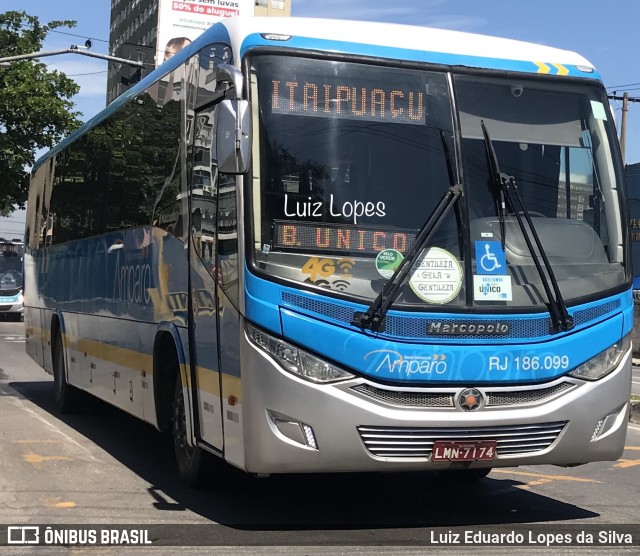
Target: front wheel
(464,475)
(188,458)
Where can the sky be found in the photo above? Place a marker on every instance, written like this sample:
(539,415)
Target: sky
(605,34)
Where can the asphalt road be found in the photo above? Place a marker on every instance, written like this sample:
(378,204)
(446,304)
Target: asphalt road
(635,381)
(104,467)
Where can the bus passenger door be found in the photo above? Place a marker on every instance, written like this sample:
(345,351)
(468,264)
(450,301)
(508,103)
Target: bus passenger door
(204,330)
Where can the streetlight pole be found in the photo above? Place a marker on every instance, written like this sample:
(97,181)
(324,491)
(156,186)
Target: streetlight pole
(6,61)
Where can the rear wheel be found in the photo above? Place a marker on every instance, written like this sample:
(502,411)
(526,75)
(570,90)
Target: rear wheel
(465,475)
(67,397)
(189,459)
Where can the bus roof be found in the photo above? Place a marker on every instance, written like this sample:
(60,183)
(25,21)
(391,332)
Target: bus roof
(363,38)
(395,41)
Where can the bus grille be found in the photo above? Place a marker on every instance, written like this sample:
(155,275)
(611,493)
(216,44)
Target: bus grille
(417,442)
(10,292)
(525,397)
(421,400)
(406,399)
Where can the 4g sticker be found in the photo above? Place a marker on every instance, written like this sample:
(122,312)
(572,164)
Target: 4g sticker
(319,269)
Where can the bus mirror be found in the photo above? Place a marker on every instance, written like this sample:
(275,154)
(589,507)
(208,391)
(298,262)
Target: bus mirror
(233,136)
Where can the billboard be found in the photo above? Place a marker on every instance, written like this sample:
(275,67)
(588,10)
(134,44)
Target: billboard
(179,23)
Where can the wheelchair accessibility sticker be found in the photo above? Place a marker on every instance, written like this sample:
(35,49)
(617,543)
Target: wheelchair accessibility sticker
(490,258)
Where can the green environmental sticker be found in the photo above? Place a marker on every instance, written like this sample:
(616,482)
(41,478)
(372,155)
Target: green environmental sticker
(387,261)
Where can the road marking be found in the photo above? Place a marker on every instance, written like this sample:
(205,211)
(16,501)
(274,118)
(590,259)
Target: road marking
(30,411)
(632,447)
(65,505)
(543,479)
(542,476)
(57,503)
(37,458)
(38,441)
(633,428)
(624,463)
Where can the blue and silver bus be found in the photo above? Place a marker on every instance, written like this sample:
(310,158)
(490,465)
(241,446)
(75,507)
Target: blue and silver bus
(11,272)
(328,246)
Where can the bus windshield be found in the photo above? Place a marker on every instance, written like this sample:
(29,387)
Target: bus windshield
(10,271)
(353,158)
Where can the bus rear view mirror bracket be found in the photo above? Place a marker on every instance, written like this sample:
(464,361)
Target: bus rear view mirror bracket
(233,134)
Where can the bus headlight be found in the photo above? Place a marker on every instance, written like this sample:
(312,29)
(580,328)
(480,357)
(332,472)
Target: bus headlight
(296,360)
(603,363)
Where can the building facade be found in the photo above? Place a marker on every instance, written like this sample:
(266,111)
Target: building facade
(149,31)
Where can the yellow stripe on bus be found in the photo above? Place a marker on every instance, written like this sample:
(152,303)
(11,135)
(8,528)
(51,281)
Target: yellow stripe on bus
(561,69)
(542,67)
(208,379)
(124,357)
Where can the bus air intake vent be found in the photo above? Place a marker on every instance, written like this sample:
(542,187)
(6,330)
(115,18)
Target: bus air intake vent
(587,315)
(407,399)
(417,442)
(526,397)
(416,327)
(326,308)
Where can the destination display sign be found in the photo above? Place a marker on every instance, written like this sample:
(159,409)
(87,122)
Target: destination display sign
(326,97)
(323,237)
(11,248)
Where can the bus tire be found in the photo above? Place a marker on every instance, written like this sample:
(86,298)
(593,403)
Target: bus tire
(464,475)
(67,397)
(189,459)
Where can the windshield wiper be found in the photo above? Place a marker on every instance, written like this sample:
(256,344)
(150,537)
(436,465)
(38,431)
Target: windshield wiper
(499,181)
(561,320)
(373,319)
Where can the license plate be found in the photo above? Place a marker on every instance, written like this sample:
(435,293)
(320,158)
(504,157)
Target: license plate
(8,299)
(481,450)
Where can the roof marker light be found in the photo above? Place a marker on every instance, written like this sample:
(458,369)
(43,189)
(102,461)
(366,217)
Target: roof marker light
(275,37)
(585,69)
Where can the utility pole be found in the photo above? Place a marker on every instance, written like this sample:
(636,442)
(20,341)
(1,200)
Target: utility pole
(623,125)
(626,99)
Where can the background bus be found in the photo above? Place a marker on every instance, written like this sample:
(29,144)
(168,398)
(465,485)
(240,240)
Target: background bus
(324,246)
(11,272)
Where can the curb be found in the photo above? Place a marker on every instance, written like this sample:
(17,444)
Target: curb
(634,413)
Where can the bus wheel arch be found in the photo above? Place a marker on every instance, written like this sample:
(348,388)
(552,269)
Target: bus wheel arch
(173,405)
(190,459)
(67,397)
(166,366)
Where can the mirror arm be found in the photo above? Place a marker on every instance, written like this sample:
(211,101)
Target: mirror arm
(236,78)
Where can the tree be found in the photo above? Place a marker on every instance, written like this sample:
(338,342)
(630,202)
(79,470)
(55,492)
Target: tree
(35,106)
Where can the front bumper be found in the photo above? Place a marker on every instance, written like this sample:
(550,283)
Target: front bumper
(578,422)
(11,304)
